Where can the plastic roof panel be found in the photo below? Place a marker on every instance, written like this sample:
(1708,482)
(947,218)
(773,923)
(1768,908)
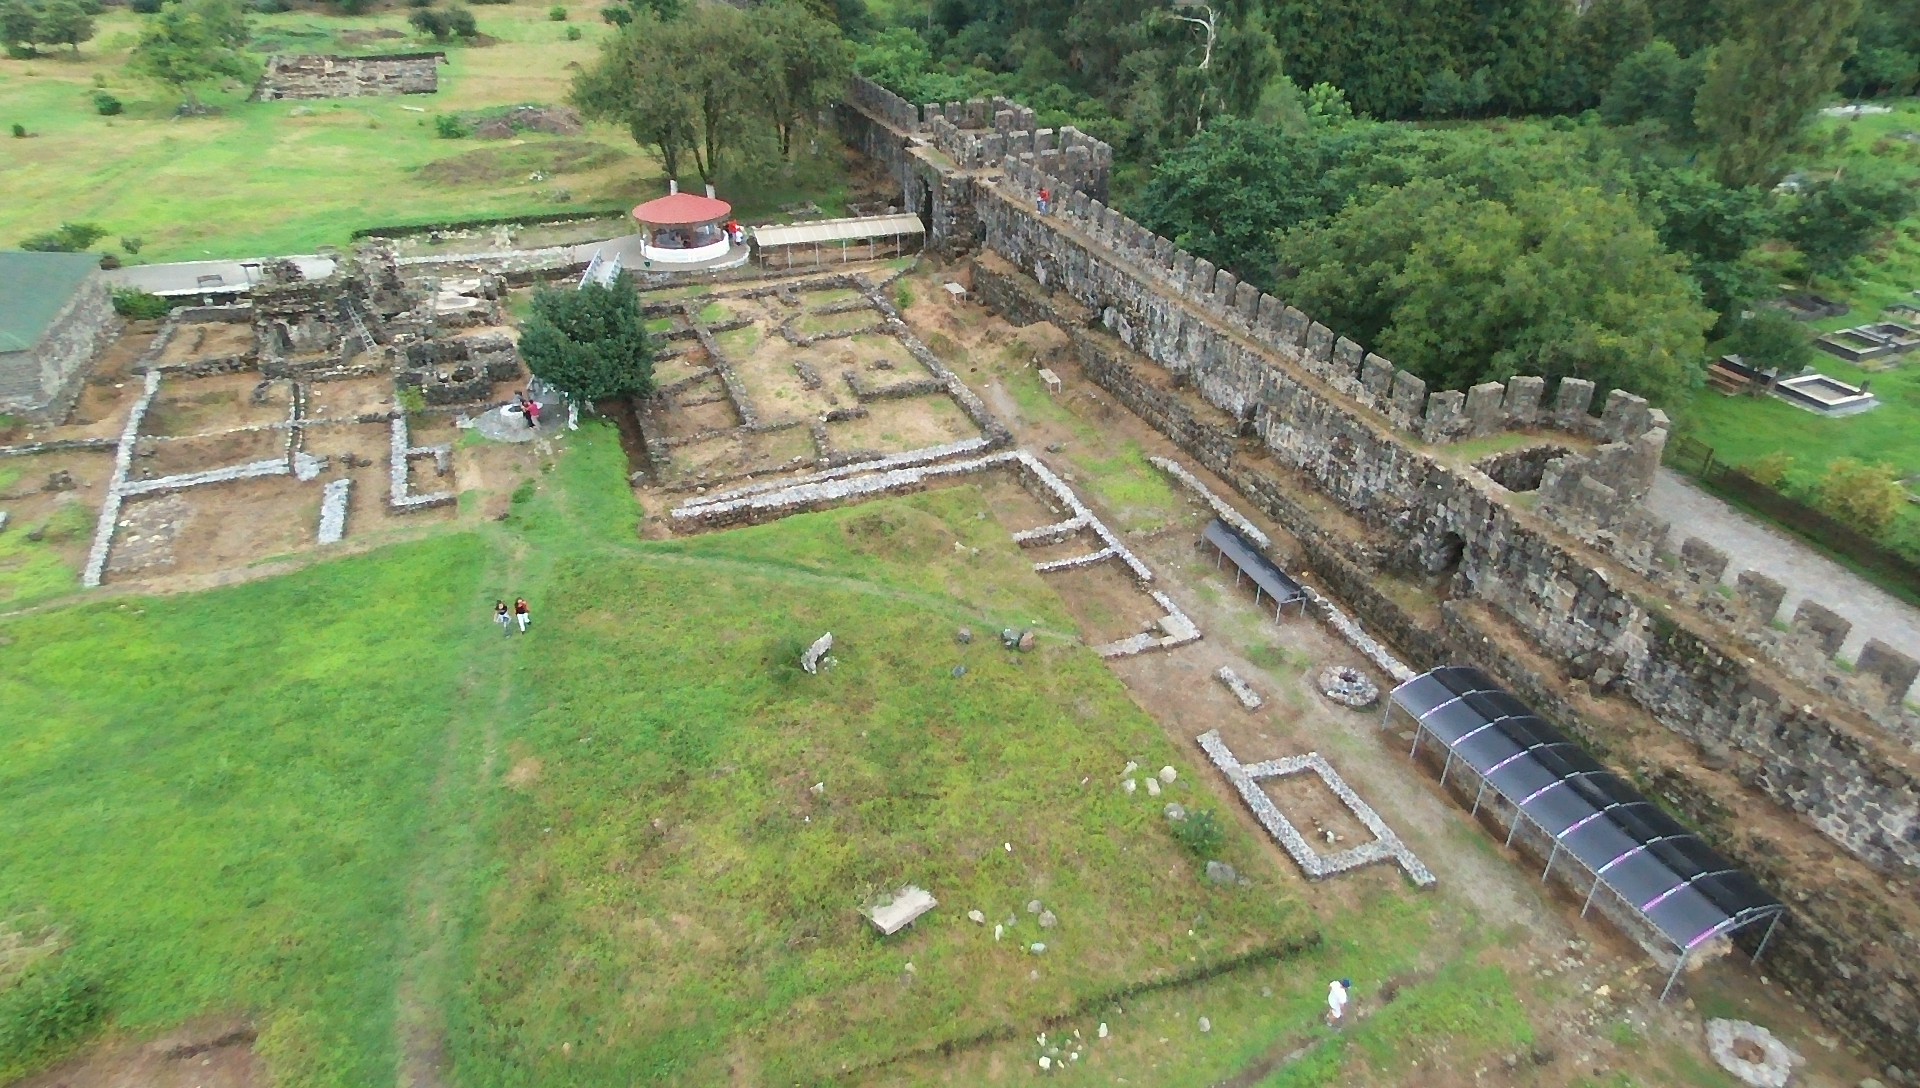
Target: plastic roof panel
(1686,889)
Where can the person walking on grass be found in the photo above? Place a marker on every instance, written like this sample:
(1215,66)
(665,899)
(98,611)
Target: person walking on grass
(522,613)
(502,617)
(1337,1000)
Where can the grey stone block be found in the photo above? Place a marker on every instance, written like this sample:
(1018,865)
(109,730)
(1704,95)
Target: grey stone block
(1524,393)
(1484,415)
(1888,667)
(1821,626)
(1759,594)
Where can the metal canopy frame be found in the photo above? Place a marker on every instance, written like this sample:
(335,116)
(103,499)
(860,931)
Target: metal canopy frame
(1683,889)
(1249,562)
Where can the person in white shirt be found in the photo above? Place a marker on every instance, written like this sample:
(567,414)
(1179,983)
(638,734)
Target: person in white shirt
(1337,1000)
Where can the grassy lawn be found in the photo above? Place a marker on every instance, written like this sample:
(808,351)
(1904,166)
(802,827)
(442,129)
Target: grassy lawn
(326,799)
(263,178)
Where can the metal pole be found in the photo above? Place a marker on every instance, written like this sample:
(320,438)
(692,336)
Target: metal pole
(1677,965)
(1763,941)
(1551,854)
(1478,796)
(1444,768)
(1591,892)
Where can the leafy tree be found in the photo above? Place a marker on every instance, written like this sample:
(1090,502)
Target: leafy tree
(19,24)
(1232,188)
(1768,338)
(591,343)
(1450,96)
(806,65)
(1715,227)
(1867,497)
(1654,83)
(63,22)
(1460,289)
(1608,32)
(1691,25)
(68,238)
(1833,220)
(191,43)
(1763,82)
(1888,59)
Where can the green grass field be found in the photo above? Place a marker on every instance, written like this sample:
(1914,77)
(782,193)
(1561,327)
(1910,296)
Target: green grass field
(341,803)
(266,178)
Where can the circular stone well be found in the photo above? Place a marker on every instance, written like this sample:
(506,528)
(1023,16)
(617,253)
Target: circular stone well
(1751,1053)
(1349,687)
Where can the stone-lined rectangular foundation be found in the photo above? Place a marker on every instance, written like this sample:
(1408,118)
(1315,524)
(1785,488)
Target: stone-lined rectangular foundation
(1386,846)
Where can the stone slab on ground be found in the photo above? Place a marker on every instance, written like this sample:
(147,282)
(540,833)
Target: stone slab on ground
(333,510)
(899,912)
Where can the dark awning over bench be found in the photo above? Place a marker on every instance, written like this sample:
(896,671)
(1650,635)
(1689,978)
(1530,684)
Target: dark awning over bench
(1248,560)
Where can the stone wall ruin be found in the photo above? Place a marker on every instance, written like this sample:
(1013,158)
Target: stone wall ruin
(322,75)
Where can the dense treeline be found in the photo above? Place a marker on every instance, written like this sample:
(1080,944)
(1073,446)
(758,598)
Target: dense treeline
(1620,242)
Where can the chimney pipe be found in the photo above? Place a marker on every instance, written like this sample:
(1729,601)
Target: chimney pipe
(673,186)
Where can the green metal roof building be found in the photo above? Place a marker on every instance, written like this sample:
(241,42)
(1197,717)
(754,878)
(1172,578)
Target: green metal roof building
(55,315)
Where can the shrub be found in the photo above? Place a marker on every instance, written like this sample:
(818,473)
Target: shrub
(419,3)
(109,261)
(1200,833)
(1867,497)
(430,22)
(460,21)
(132,243)
(19,132)
(411,399)
(557,13)
(145,7)
(1772,469)
(616,15)
(267,7)
(448,127)
(53,1006)
(574,34)
(132,302)
(105,104)
(67,238)
(903,297)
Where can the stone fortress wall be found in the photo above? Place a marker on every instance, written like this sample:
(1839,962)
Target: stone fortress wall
(1559,580)
(43,381)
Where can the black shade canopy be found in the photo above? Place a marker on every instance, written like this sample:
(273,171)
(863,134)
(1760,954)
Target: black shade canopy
(1685,889)
(1240,551)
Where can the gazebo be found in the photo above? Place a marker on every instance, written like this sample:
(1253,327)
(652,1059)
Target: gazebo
(683,228)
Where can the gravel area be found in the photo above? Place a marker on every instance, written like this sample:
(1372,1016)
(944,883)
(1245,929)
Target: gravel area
(1806,573)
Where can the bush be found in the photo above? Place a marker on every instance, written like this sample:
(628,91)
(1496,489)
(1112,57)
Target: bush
(557,14)
(132,243)
(412,400)
(430,22)
(145,7)
(53,1006)
(267,7)
(460,21)
(616,15)
(574,34)
(105,104)
(449,127)
(68,238)
(903,297)
(19,132)
(109,261)
(1200,833)
(1772,469)
(132,302)
(419,3)
(1867,497)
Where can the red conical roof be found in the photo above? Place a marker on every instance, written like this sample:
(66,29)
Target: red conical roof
(682,210)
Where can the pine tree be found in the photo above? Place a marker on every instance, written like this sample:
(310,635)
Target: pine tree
(1764,81)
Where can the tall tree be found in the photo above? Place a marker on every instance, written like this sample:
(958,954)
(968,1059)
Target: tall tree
(1763,82)
(1654,83)
(19,24)
(64,22)
(191,43)
(591,344)
(1834,220)
(1559,281)
(806,65)
(687,87)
